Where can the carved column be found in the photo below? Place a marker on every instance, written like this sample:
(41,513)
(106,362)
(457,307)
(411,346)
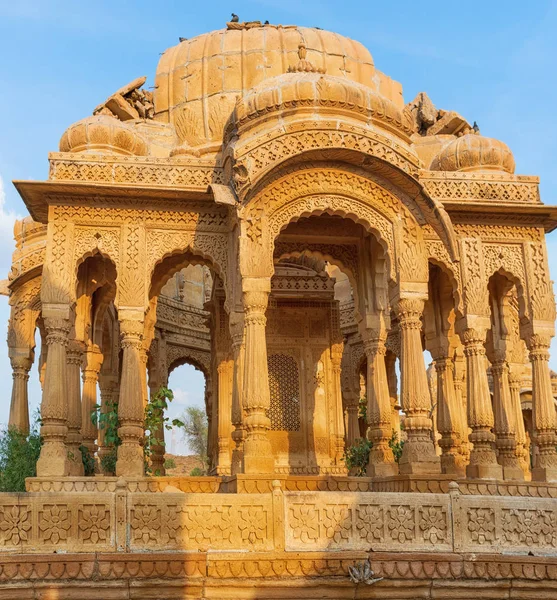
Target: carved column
(238,434)
(418,455)
(392,381)
(352,400)
(338,432)
(460,396)
(130,405)
(448,416)
(91,369)
(19,406)
(158,450)
(543,410)
(53,460)
(522,453)
(258,457)
(483,462)
(108,386)
(504,427)
(225,375)
(381,459)
(74,354)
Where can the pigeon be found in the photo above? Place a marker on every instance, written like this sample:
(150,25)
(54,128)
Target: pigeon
(475,128)
(182,39)
(234,18)
(266,23)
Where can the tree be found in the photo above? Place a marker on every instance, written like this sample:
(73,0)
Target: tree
(19,453)
(196,432)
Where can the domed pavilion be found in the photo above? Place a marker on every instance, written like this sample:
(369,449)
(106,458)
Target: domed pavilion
(275,214)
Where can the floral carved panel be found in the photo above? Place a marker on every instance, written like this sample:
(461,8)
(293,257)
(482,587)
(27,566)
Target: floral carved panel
(360,521)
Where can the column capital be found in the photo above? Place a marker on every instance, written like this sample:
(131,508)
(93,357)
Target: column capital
(57,330)
(409,312)
(21,363)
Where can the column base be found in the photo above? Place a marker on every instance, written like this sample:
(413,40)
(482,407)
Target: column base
(548,474)
(258,464)
(53,460)
(430,467)
(513,474)
(382,470)
(484,471)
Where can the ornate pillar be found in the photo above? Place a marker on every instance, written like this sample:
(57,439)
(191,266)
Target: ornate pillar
(130,405)
(91,369)
(53,460)
(19,406)
(74,354)
(108,386)
(483,462)
(448,417)
(258,457)
(460,396)
(381,459)
(390,366)
(352,402)
(338,432)
(543,410)
(418,455)
(504,427)
(522,453)
(225,375)
(238,434)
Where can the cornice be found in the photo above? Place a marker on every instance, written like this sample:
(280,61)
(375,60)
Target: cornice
(539,215)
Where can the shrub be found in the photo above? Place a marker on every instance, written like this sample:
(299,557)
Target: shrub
(18,457)
(197,472)
(88,461)
(169,463)
(396,445)
(356,457)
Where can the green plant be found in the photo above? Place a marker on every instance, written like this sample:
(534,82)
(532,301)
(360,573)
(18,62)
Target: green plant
(155,420)
(362,409)
(396,445)
(196,430)
(356,457)
(106,418)
(197,472)
(108,461)
(88,461)
(18,457)
(169,463)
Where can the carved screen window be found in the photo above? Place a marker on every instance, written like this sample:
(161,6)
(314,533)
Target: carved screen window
(284,386)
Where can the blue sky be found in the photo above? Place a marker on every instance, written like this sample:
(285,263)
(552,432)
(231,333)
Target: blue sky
(493,62)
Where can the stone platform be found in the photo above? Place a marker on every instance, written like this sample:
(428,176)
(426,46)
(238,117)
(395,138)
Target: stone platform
(158,538)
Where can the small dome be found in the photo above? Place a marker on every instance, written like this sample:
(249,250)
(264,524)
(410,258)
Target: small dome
(103,134)
(474,153)
(314,90)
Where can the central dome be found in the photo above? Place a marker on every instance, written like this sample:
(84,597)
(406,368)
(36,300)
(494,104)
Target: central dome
(199,80)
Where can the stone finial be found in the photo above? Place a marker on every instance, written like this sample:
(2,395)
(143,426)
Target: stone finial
(304,65)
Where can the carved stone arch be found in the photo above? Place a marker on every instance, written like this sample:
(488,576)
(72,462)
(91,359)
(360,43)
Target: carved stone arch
(176,356)
(508,260)
(326,190)
(25,302)
(99,241)
(390,161)
(438,255)
(338,256)
(196,248)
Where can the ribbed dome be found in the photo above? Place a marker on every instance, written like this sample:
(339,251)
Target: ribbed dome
(103,134)
(473,153)
(198,81)
(314,90)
